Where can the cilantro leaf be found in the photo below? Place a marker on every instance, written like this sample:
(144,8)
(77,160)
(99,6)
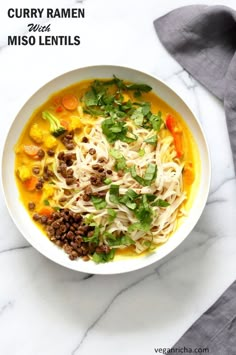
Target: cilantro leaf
(116,241)
(93,111)
(156,121)
(116,130)
(103,257)
(111,214)
(120,164)
(90,98)
(125,200)
(88,219)
(98,202)
(141,152)
(129,198)
(120,160)
(132,194)
(144,213)
(151,140)
(139,204)
(145,227)
(160,203)
(95,237)
(114,193)
(149,176)
(138,87)
(138,116)
(56,208)
(146,108)
(107,181)
(115,153)
(150,173)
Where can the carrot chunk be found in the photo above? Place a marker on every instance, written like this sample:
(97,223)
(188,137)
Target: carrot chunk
(189,175)
(170,123)
(70,102)
(46,211)
(178,144)
(30,184)
(59,109)
(65,124)
(172,126)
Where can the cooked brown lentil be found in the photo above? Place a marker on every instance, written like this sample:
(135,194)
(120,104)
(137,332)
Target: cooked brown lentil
(50,152)
(36,170)
(92,151)
(41,153)
(66,229)
(85,140)
(31,206)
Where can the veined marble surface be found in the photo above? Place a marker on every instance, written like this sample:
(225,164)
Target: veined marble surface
(46,309)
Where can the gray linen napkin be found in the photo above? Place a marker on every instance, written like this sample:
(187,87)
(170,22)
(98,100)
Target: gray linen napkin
(203,40)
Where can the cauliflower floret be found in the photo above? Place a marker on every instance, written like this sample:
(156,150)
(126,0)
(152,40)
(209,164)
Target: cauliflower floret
(126,97)
(50,142)
(75,123)
(36,133)
(48,191)
(24,173)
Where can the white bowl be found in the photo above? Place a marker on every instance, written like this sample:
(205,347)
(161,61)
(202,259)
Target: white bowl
(21,217)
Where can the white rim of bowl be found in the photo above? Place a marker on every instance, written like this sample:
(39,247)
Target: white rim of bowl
(92,268)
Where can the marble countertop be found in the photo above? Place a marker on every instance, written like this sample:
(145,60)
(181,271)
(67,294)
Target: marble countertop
(47,309)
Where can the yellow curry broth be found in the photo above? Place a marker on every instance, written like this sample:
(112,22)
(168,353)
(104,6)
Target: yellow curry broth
(190,157)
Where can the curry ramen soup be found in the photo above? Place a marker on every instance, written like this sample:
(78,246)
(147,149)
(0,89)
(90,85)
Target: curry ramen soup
(106,169)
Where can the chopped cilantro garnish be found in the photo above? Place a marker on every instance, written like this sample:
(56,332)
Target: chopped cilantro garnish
(146,108)
(91,98)
(156,121)
(111,214)
(145,227)
(138,203)
(152,140)
(149,244)
(103,257)
(138,87)
(107,181)
(88,219)
(116,241)
(114,193)
(95,237)
(160,203)
(120,160)
(93,111)
(117,130)
(138,116)
(144,213)
(149,176)
(141,152)
(98,202)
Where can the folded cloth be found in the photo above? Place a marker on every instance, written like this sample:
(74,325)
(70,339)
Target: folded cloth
(203,40)
(215,330)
